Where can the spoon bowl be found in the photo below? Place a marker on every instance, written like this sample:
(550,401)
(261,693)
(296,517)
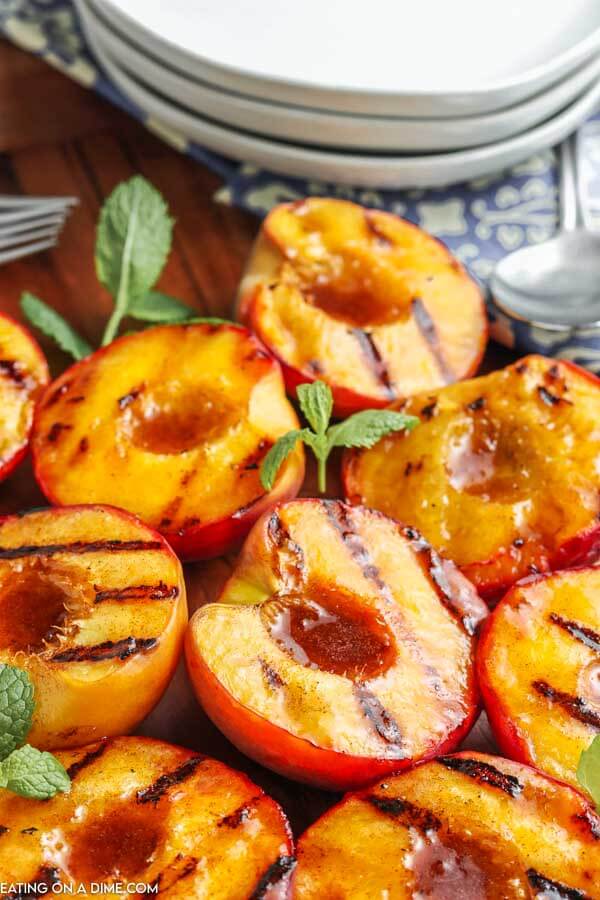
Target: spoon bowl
(556,283)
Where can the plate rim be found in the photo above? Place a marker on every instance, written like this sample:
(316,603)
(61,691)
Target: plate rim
(548,71)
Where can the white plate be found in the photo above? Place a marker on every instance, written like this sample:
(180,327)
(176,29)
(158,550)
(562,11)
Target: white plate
(350,168)
(307,126)
(384,57)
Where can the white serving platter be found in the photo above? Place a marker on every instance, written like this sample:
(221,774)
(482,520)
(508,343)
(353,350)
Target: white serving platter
(385,57)
(330,129)
(381,171)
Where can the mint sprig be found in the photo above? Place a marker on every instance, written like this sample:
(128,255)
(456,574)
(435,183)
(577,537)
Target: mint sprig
(132,244)
(133,241)
(588,771)
(52,324)
(24,770)
(32,773)
(363,429)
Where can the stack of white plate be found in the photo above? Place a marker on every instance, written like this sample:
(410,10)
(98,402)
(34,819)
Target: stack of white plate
(379,93)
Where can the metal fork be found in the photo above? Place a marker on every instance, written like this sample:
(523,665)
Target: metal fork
(31,224)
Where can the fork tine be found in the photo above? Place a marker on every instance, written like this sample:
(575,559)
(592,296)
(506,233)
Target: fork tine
(35,235)
(17,253)
(22,215)
(8,202)
(15,228)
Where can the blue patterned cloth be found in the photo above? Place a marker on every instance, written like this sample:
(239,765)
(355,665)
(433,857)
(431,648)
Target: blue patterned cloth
(481,221)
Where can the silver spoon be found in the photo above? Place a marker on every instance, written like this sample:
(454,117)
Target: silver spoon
(556,283)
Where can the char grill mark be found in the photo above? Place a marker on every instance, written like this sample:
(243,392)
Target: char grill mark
(581,633)
(180,868)
(573,705)
(122,650)
(86,760)
(553,890)
(278,871)
(428,331)
(483,773)
(434,567)
(254,459)
(155,791)
(160,591)
(549,398)
(124,401)
(476,405)
(57,394)
(248,506)
(375,361)
(428,411)
(56,430)
(382,721)
(288,556)
(13,371)
(405,812)
(272,677)
(46,877)
(340,517)
(591,822)
(379,235)
(77,548)
(240,815)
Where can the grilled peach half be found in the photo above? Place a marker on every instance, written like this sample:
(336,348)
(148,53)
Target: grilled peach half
(502,475)
(172,424)
(363,300)
(141,811)
(463,826)
(340,649)
(92,605)
(539,669)
(23,373)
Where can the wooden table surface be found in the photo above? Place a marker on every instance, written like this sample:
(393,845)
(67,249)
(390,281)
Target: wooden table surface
(57,138)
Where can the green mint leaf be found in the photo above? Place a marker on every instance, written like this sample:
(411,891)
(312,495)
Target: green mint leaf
(160,308)
(588,771)
(16,708)
(34,774)
(50,323)
(277,454)
(365,428)
(132,244)
(316,403)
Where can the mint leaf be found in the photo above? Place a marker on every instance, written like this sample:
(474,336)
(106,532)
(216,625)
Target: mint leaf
(16,708)
(277,454)
(365,428)
(160,308)
(52,324)
(316,402)
(132,244)
(588,771)
(34,774)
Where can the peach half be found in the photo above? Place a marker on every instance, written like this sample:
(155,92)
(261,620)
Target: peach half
(464,827)
(502,475)
(539,670)
(171,424)
(363,300)
(93,606)
(340,649)
(143,812)
(23,373)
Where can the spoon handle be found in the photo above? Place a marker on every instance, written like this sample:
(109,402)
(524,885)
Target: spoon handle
(569,194)
(573,208)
